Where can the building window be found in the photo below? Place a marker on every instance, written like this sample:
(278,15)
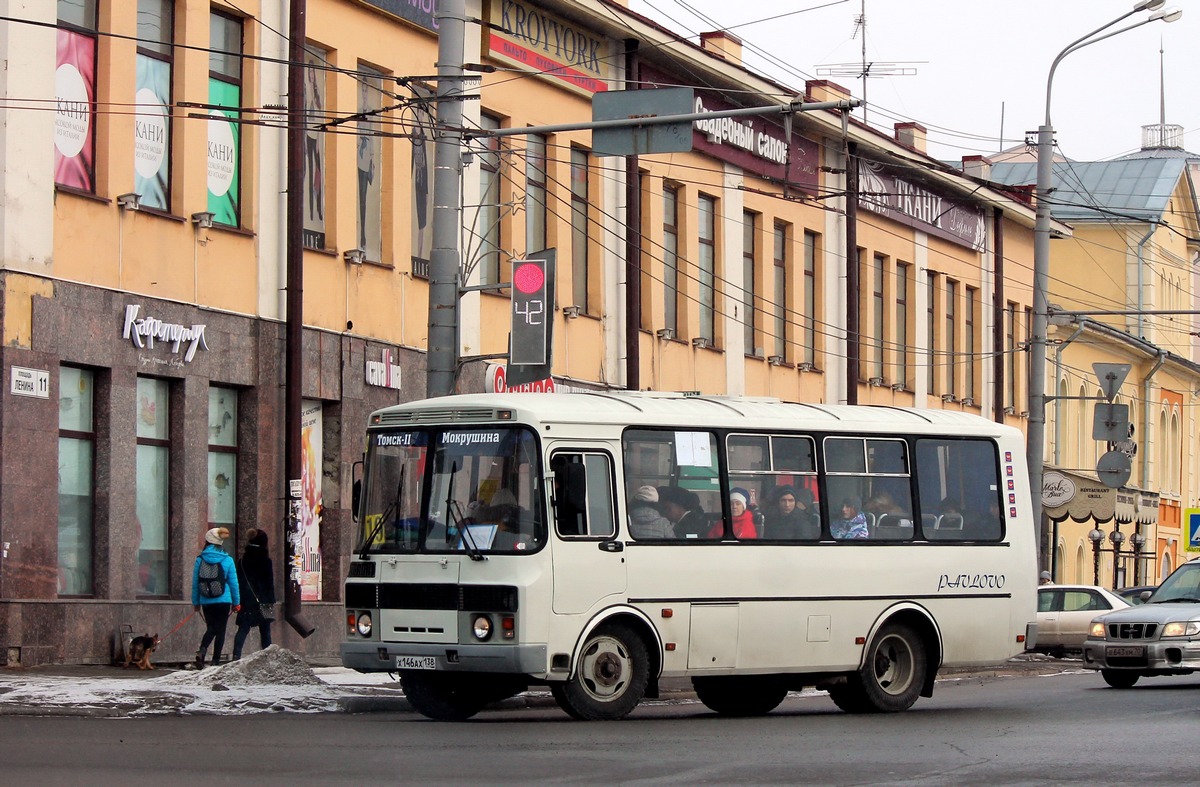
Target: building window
(811,240)
(223,461)
(931,327)
(951,338)
(316,167)
(535,193)
(153,485)
(488,221)
(1010,343)
(152,118)
(749,314)
(878,332)
(780,256)
(76,453)
(970,339)
(579,229)
(901,356)
(224,132)
(75,96)
(670,257)
(708,267)
(369,163)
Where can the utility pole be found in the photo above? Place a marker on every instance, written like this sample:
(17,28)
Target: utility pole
(293,361)
(451,16)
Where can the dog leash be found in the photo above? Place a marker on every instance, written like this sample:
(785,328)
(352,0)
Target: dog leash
(178,626)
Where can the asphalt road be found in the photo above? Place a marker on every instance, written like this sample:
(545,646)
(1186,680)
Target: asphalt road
(1061,729)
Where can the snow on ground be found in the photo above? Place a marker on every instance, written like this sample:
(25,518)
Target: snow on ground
(270,680)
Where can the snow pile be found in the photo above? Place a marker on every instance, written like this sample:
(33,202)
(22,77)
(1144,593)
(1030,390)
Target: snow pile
(273,666)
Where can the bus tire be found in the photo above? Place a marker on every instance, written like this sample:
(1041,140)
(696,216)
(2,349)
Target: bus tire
(610,677)
(891,676)
(443,697)
(747,696)
(1119,678)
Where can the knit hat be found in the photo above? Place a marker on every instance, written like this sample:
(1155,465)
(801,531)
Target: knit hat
(256,537)
(216,535)
(1046,575)
(738,497)
(646,494)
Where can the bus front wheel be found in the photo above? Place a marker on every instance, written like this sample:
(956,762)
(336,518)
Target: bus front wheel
(753,695)
(610,677)
(891,676)
(443,697)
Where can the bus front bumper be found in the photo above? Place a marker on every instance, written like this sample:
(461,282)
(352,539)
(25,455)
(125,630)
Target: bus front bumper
(369,656)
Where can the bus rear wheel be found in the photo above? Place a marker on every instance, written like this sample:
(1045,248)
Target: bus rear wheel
(610,677)
(1119,679)
(443,697)
(891,676)
(746,696)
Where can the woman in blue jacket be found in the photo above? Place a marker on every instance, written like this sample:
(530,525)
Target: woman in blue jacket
(214,592)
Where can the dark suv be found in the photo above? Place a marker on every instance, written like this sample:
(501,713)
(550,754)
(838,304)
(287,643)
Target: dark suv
(1159,637)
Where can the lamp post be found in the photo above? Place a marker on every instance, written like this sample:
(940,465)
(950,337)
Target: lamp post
(1096,536)
(1036,434)
(1137,540)
(1117,538)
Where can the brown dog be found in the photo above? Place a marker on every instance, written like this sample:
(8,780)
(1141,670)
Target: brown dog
(139,651)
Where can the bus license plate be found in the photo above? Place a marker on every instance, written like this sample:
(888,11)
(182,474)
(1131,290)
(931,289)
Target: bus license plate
(1126,651)
(416,662)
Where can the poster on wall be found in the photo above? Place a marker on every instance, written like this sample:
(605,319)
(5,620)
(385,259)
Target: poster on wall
(311,449)
(422,179)
(152,133)
(368,158)
(74,114)
(224,152)
(314,148)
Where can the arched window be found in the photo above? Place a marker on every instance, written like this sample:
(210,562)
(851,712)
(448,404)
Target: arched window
(1165,566)
(1081,427)
(1161,441)
(1176,447)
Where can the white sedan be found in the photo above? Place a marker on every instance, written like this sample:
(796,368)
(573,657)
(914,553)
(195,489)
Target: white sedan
(1065,614)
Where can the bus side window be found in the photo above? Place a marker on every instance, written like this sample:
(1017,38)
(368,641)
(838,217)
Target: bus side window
(583,495)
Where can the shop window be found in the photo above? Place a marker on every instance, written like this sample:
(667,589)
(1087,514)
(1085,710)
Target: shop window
(223,461)
(76,453)
(153,485)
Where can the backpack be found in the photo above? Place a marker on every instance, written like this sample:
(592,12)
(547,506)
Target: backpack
(212,579)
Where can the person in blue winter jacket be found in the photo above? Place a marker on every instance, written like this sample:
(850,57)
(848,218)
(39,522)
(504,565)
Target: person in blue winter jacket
(215,592)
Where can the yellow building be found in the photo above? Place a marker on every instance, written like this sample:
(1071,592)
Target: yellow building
(144,270)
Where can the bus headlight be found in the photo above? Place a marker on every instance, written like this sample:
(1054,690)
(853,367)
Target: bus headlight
(363,624)
(1182,628)
(482,628)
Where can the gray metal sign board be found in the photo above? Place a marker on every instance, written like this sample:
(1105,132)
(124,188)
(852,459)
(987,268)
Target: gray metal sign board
(1111,376)
(1110,422)
(634,140)
(1114,469)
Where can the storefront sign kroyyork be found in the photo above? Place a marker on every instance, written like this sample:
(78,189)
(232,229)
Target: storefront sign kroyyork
(144,331)
(384,374)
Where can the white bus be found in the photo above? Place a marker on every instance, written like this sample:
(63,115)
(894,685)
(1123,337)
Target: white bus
(596,543)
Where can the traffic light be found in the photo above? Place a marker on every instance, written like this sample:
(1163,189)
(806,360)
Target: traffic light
(530,313)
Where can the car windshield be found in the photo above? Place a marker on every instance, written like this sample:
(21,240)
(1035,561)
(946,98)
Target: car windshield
(475,491)
(1183,585)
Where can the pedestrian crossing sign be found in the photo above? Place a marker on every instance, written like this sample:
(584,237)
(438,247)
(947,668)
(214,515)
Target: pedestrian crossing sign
(1191,521)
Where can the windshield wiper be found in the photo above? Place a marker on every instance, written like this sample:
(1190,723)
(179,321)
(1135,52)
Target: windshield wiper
(1180,600)
(393,507)
(453,514)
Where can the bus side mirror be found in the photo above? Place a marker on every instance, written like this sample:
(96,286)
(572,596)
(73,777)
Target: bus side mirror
(356,489)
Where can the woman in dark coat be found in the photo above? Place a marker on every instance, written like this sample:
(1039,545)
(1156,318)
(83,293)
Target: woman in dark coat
(256,576)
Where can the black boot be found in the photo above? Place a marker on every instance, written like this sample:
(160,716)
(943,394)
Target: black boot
(199,659)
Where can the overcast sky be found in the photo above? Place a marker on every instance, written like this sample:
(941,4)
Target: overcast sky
(977,63)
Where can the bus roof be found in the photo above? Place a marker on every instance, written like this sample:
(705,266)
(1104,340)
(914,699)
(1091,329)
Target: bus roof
(654,408)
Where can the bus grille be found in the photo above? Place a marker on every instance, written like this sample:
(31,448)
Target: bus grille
(1132,630)
(361,569)
(362,595)
(475,414)
(395,595)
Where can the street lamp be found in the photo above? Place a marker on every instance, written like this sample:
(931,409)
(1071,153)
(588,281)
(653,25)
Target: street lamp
(1036,433)
(1138,541)
(1117,538)
(1096,536)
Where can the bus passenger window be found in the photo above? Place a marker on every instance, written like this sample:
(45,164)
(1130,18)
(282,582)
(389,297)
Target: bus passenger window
(583,495)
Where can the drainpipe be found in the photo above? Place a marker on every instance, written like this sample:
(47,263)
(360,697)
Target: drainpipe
(1141,333)
(1058,424)
(1162,358)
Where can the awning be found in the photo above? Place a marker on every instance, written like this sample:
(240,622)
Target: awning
(1134,505)
(1069,495)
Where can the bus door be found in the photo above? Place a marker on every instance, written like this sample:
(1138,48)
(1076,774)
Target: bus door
(589,560)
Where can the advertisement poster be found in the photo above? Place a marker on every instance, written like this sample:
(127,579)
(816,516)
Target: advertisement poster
(368,157)
(74,113)
(314,149)
(311,448)
(422,179)
(224,152)
(152,133)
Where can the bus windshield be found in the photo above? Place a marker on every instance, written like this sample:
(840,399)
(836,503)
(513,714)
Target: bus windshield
(451,490)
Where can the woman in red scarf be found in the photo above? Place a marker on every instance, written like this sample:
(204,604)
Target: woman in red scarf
(743,517)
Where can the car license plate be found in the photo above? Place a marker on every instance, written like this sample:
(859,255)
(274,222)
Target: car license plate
(416,662)
(1126,651)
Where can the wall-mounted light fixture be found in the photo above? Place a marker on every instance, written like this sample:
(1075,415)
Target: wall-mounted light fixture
(775,360)
(130,201)
(897,386)
(948,397)
(1010,410)
(1023,414)
(806,366)
(666,334)
(700,342)
(968,402)
(203,219)
(875,382)
(354,256)
(571,312)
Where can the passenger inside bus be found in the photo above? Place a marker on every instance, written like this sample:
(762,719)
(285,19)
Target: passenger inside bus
(853,523)
(514,525)
(793,515)
(645,519)
(682,507)
(744,524)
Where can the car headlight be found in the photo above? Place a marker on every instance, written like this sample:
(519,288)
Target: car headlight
(1097,630)
(1181,628)
(363,624)
(481,627)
